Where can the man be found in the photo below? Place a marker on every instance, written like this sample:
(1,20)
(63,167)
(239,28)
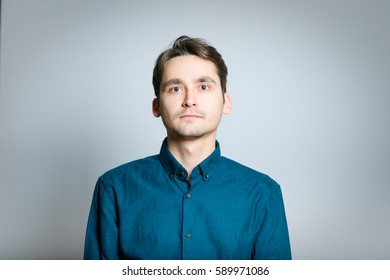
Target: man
(187,202)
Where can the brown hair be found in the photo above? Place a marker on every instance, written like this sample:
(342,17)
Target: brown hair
(185,45)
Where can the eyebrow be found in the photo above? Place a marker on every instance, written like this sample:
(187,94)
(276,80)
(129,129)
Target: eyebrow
(172,82)
(206,79)
(176,81)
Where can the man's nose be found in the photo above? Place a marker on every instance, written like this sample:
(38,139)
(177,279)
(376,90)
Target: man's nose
(189,99)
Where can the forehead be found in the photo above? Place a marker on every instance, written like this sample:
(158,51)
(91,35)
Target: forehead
(189,67)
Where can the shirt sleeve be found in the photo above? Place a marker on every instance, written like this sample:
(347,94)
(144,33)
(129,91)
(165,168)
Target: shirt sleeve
(101,241)
(272,242)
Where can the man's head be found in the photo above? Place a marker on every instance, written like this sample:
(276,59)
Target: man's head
(190,85)
(189,46)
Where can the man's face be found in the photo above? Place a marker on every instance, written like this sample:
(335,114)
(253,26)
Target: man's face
(191,102)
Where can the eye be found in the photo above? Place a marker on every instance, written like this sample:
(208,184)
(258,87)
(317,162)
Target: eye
(204,87)
(174,89)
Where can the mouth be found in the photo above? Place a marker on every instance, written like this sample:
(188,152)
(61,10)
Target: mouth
(191,116)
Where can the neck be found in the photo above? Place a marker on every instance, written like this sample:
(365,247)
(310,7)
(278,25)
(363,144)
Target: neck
(191,152)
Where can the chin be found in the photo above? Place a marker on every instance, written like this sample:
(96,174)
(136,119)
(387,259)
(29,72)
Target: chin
(191,133)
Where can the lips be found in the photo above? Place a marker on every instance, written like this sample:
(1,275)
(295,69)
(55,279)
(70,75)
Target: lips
(190,116)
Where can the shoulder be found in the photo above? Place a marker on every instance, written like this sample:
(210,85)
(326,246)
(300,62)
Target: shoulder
(249,175)
(114,183)
(132,168)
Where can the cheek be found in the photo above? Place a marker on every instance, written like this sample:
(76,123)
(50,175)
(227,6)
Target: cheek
(215,114)
(165,106)
(167,112)
(214,106)
(171,102)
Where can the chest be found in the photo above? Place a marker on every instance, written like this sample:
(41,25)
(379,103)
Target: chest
(182,221)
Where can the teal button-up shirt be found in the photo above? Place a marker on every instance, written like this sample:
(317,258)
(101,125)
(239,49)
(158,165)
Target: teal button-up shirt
(147,209)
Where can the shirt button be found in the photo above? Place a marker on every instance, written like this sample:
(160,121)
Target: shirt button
(171,176)
(188,196)
(182,173)
(206,176)
(188,234)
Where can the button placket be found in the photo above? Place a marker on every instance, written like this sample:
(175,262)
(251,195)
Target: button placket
(189,218)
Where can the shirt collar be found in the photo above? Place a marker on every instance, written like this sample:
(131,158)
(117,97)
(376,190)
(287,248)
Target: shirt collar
(173,168)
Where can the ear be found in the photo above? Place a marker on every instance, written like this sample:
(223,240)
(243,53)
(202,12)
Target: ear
(227,105)
(156,108)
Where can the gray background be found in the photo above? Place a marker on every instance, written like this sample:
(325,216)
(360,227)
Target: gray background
(309,82)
